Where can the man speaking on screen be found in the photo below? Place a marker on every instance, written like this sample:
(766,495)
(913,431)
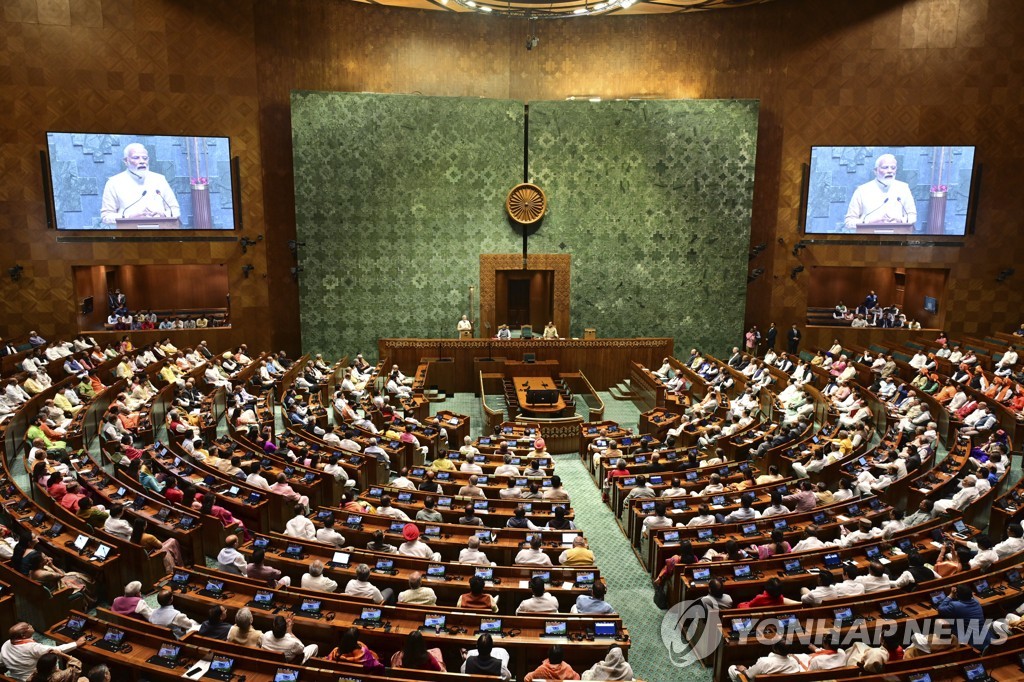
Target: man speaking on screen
(883,200)
(137,192)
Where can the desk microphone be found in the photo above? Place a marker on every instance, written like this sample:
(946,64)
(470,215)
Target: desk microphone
(877,208)
(143,196)
(166,205)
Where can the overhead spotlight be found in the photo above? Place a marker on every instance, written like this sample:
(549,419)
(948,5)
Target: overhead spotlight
(246,269)
(757,250)
(753,276)
(295,272)
(1004,275)
(532,42)
(798,248)
(294,245)
(246,242)
(15,272)
(796,271)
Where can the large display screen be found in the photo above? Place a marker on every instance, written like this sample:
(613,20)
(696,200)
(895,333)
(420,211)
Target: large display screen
(140,182)
(889,190)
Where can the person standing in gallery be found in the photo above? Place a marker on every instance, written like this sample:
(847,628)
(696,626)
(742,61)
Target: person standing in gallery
(793,341)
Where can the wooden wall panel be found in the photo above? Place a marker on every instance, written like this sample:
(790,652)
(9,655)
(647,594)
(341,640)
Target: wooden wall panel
(155,287)
(830,285)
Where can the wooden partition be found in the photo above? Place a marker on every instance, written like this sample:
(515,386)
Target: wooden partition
(604,361)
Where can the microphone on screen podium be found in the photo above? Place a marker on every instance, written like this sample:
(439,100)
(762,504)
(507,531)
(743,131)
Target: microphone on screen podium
(166,205)
(141,197)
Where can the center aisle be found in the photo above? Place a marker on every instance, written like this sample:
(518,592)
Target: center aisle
(630,590)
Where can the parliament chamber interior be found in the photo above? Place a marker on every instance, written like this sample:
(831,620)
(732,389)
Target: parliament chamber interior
(411,340)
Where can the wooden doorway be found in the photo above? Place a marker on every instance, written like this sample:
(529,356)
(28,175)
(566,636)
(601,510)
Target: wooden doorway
(524,297)
(516,295)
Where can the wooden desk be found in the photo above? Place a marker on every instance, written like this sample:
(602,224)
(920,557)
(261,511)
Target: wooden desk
(604,361)
(525,648)
(525,384)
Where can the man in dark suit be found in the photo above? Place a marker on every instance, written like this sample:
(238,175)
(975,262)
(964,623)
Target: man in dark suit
(793,341)
(770,336)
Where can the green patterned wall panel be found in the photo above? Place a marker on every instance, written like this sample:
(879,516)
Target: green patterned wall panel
(396,196)
(653,201)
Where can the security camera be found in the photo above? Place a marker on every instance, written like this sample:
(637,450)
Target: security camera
(532,42)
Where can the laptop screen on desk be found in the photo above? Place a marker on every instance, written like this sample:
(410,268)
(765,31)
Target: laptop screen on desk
(169,651)
(434,621)
(555,628)
(975,671)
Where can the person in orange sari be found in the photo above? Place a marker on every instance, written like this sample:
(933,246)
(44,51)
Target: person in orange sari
(1005,393)
(351,650)
(554,667)
(993,388)
(1017,402)
(129,420)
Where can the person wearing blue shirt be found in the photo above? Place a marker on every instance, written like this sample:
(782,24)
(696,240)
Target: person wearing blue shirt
(967,617)
(594,602)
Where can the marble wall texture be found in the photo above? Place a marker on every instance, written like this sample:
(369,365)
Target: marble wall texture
(653,201)
(397,196)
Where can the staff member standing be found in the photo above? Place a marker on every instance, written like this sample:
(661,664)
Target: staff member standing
(793,340)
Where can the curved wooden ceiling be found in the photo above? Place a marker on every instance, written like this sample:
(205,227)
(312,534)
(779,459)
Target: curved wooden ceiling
(566,7)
